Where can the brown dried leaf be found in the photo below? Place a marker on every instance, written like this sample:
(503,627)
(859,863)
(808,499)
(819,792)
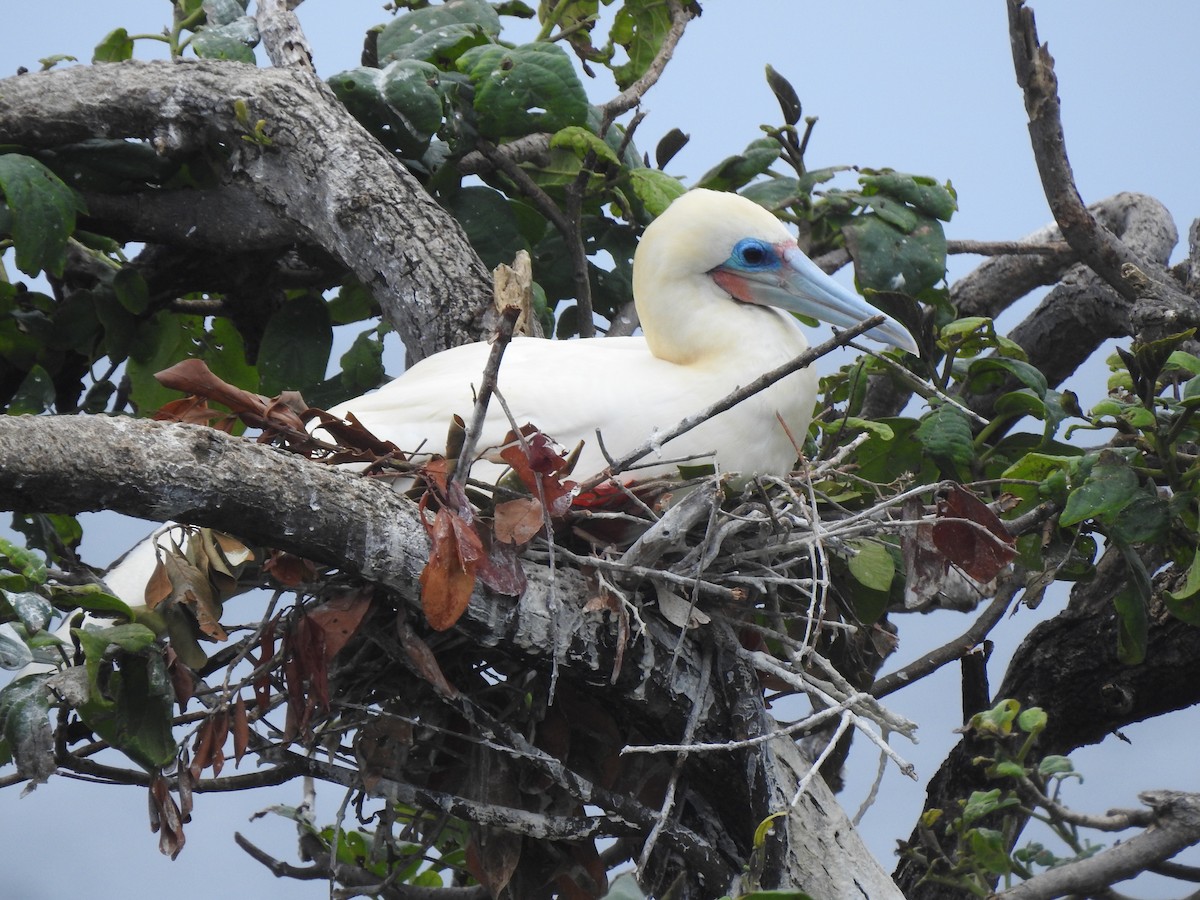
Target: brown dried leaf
(241,730)
(500,568)
(203,748)
(971,536)
(518,521)
(158,587)
(423,660)
(339,618)
(492,857)
(381,748)
(538,462)
(290,570)
(220,734)
(183,679)
(583,876)
(165,818)
(262,683)
(449,577)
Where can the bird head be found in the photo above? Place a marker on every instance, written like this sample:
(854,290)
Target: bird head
(753,258)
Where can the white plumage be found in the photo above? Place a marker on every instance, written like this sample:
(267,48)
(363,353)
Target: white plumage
(711,278)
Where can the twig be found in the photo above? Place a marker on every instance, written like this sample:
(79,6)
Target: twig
(1009,248)
(952,650)
(681,14)
(807,358)
(504,332)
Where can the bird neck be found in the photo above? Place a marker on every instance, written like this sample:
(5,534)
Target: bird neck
(694,321)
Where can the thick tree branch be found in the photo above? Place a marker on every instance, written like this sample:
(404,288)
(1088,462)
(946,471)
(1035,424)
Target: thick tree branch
(1176,826)
(198,475)
(1104,253)
(327,182)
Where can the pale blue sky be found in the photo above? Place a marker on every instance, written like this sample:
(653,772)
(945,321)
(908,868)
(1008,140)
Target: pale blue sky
(920,86)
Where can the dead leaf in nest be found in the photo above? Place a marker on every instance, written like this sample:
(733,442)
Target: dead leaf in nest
(422,658)
(500,566)
(339,619)
(381,748)
(266,650)
(165,818)
(449,577)
(971,536)
(289,569)
(538,462)
(605,600)
(678,610)
(518,521)
(305,674)
(183,679)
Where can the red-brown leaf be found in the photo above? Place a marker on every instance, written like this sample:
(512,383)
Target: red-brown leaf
(519,521)
(339,618)
(241,730)
(971,536)
(290,570)
(449,577)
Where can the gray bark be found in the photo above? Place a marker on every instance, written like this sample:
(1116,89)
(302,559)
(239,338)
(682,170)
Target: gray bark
(321,182)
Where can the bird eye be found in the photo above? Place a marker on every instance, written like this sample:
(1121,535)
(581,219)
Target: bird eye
(753,253)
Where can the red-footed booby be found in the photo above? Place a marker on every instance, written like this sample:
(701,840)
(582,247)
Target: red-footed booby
(715,280)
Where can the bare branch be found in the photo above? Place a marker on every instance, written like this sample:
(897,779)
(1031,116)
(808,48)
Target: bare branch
(1176,827)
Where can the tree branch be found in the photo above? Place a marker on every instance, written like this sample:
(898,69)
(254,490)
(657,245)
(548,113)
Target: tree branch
(313,177)
(1113,260)
(1176,826)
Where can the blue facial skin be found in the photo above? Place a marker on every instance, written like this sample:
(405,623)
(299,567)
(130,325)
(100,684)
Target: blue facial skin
(753,255)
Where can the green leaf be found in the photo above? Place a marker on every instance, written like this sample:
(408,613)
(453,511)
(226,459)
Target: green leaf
(1185,603)
(887,258)
(922,192)
(1032,720)
(362,364)
(14,654)
(131,289)
(436,32)
(946,434)
(157,344)
(34,395)
(294,352)
(522,90)
(353,303)
(872,565)
(997,721)
(234,41)
(581,142)
(43,213)
(640,29)
(765,826)
(222,12)
(116,47)
(33,610)
(990,850)
(409,89)
(1132,625)
(18,559)
(490,221)
(1109,487)
(735,172)
(655,189)
(1055,765)
(991,372)
(25,726)
(129,692)
(1007,769)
